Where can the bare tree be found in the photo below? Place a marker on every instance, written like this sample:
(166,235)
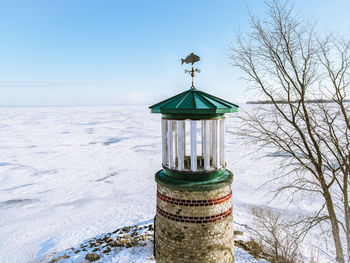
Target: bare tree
(280,240)
(288,64)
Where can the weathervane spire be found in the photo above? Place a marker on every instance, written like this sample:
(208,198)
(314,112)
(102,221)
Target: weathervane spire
(191,59)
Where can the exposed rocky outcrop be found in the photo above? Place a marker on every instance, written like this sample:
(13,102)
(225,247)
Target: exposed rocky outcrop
(108,244)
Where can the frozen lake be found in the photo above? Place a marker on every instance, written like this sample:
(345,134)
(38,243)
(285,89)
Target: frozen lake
(70,173)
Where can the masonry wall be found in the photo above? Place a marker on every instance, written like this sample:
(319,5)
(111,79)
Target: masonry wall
(194,227)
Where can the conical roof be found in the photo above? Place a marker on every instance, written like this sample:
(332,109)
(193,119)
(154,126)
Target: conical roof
(194,101)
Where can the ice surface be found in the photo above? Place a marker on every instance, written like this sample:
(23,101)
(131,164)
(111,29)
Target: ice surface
(70,173)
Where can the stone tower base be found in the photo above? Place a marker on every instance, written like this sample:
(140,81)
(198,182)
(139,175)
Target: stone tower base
(194,226)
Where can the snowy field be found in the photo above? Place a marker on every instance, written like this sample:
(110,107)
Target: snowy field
(71,173)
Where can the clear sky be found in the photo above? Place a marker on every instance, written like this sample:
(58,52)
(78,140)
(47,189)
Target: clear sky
(93,52)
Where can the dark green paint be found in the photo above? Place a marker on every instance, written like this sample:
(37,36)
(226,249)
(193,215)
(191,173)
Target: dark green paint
(193,116)
(194,102)
(217,182)
(193,176)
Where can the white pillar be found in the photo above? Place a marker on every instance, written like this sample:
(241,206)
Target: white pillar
(211,141)
(174,143)
(206,144)
(193,146)
(215,144)
(170,144)
(180,145)
(222,143)
(202,144)
(184,134)
(164,142)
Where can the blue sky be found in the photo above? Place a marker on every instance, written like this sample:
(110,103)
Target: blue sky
(95,52)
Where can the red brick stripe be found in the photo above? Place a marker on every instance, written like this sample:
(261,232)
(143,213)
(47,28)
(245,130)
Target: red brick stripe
(194,219)
(183,202)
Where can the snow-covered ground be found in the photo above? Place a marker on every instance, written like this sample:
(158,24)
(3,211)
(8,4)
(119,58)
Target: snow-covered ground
(70,173)
(140,249)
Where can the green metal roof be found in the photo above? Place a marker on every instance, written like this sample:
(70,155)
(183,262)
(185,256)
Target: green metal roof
(194,101)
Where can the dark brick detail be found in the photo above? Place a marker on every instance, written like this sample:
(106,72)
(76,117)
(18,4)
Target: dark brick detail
(193,219)
(184,202)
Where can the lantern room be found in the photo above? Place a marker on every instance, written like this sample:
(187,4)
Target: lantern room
(193,131)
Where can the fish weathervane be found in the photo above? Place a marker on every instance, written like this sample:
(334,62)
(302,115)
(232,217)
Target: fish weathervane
(191,59)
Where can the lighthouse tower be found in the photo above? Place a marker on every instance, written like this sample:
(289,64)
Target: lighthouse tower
(194,220)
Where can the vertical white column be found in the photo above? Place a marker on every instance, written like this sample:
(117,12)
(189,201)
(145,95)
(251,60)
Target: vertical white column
(174,143)
(202,144)
(215,144)
(184,134)
(211,141)
(206,146)
(164,142)
(201,147)
(193,146)
(170,144)
(180,145)
(222,143)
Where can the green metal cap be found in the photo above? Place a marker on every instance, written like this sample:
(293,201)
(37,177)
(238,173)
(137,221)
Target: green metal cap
(194,101)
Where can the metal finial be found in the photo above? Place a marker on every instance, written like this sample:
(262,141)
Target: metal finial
(191,59)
